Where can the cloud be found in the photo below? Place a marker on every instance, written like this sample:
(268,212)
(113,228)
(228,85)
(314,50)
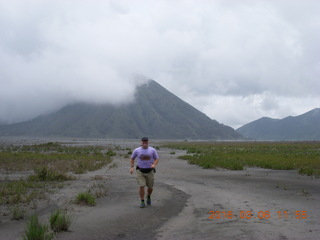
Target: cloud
(244,59)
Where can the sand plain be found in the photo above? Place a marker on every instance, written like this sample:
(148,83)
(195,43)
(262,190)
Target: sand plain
(261,203)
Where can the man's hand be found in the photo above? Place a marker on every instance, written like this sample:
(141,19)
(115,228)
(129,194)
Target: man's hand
(131,170)
(154,164)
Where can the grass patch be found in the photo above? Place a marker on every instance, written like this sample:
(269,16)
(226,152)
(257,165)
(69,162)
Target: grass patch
(37,231)
(98,177)
(85,198)
(60,158)
(52,164)
(60,221)
(44,174)
(111,153)
(21,191)
(98,189)
(17,212)
(60,162)
(301,156)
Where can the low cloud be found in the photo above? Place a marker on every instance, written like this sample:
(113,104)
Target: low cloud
(234,60)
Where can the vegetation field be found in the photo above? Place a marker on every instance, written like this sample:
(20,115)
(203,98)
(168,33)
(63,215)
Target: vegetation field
(43,168)
(301,156)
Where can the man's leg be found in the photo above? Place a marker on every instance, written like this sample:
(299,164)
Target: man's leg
(150,191)
(142,182)
(149,183)
(141,192)
(149,195)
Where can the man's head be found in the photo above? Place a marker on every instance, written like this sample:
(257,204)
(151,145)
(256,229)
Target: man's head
(144,142)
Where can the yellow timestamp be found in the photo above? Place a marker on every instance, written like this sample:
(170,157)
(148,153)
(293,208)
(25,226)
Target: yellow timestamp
(259,214)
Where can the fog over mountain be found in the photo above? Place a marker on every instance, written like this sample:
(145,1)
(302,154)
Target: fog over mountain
(154,112)
(236,61)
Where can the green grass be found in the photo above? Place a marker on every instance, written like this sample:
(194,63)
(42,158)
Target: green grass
(45,174)
(21,191)
(37,231)
(301,156)
(61,162)
(17,212)
(60,221)
(111,153)
(85,198)
(51,163)
(59,157)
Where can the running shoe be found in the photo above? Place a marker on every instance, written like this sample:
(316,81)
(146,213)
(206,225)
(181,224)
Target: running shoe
(149,200)
(142,204)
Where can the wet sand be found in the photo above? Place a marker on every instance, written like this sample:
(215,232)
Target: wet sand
(182,200)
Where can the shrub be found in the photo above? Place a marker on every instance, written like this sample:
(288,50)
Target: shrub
(60,221)
(85,198)
(17,213)
(44,174)
(307,170)
(111,153)
(37,231)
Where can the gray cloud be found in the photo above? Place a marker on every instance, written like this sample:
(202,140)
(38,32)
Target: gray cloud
(234,60)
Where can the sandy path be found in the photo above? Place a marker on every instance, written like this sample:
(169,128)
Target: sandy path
(118,214)
(250,190)
(183,196)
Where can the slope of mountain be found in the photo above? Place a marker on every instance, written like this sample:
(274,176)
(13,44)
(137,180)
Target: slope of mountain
(156,113)
(305,127)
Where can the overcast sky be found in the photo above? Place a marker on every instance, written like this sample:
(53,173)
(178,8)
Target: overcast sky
(234,60)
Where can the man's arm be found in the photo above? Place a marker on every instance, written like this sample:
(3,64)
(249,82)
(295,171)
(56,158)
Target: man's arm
(131,165)
(155,163)
(156,156)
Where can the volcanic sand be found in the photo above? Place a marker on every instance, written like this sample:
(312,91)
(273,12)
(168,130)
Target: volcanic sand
(182,200)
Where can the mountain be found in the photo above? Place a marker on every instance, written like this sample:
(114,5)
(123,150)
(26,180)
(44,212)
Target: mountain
(305,127)
(156,113)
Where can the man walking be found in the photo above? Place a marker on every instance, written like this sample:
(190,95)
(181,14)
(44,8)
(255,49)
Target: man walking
(147,161)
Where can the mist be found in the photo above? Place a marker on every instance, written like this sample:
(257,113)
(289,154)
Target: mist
(234,60)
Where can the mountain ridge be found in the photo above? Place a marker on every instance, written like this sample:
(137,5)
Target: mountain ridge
(304,127)
(156,113)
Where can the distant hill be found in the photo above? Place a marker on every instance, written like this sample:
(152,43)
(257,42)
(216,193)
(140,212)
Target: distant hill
(156,113)
(305,127)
